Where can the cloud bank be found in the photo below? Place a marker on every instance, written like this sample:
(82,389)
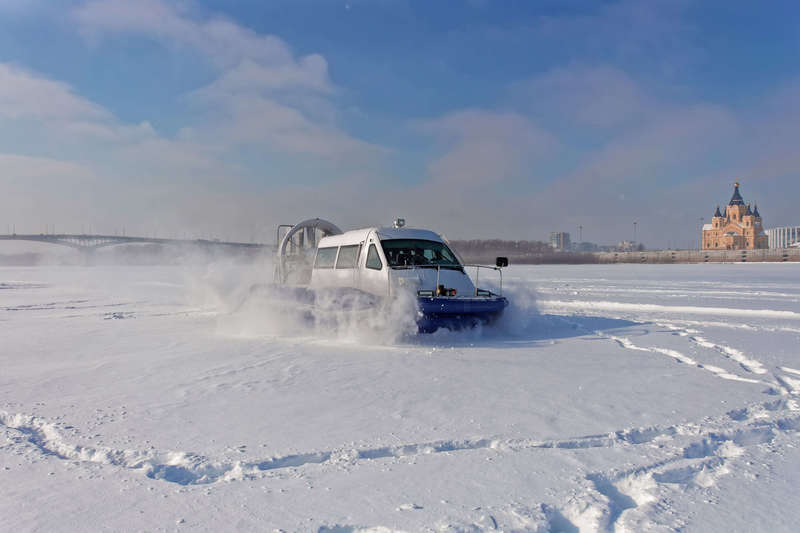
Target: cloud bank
(605,136)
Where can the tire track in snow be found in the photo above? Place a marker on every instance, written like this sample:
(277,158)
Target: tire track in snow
(736,325)
(678,356)
(680,292)
(784,384)
(185,468)
(598,305)
(789,384)
(627,501)
(626,343)
(790,370)
(751,365)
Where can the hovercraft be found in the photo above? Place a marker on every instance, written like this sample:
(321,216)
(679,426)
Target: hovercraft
(383,262)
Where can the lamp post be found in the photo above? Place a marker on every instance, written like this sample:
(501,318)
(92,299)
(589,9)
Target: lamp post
(700,246)
(634,231)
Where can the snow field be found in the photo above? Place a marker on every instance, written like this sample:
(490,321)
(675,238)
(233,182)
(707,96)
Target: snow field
(611,398)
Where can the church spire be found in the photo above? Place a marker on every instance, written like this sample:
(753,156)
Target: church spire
(717,213)
(736,199)
(749,212)
(755,212)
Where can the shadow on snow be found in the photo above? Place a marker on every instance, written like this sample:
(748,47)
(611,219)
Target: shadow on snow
(516,331)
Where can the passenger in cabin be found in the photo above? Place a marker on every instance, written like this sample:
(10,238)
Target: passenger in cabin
(416,252)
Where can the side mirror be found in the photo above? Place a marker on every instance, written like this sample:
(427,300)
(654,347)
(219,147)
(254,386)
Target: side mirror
(501,262)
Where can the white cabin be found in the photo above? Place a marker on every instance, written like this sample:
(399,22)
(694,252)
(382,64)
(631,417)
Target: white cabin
(380,261)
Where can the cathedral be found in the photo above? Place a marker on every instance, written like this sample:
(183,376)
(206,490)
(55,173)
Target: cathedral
(739,228)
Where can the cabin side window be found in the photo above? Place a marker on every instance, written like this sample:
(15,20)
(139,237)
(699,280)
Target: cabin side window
(326,257)
(348,255)
(373,259)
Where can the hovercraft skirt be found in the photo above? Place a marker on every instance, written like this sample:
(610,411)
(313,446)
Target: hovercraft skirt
(458,313)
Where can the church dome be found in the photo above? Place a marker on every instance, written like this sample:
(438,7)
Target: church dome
(736,199)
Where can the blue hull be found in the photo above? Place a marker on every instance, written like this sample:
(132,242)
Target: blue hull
(458,313)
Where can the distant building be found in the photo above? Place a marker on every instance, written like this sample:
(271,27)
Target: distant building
(629,246)
(740,228)
(559,240)
(585,247)
(783,237)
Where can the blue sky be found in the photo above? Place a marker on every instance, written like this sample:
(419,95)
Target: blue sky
(477,118)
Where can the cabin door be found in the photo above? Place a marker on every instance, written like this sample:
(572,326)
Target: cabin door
(357,269)
(372,268)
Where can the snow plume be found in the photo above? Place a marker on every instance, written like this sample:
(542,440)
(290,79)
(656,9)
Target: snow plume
(363,318)
(521,315)
(225,284)
(275,311)
(248,304)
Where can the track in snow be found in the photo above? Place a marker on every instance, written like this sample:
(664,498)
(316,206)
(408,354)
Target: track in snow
(185,468)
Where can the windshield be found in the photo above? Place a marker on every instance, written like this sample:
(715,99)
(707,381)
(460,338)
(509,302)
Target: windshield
(418,252)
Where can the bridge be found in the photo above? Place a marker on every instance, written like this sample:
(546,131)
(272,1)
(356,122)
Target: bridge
(89,243)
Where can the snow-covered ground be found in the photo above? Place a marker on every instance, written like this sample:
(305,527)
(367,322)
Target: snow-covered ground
(611,398)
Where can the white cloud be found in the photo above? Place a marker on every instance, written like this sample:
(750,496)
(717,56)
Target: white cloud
(44,191)
(640,173)
(261,119)
(309,73)
(51,112)
(68,132)
(672,137)
(224,42)
(265,96)
(485,147)
(20,168)
(27,95)
(92,170)
(495,167)
(281,108)
(600,96)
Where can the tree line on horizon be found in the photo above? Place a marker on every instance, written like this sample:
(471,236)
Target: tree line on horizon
(484,251)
